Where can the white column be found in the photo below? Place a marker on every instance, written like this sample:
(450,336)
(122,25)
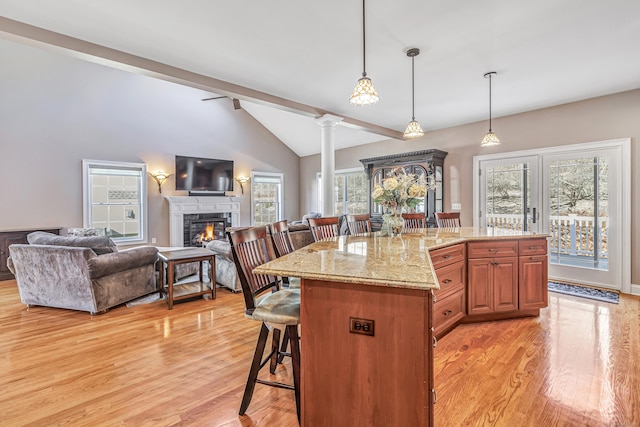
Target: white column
(327,161)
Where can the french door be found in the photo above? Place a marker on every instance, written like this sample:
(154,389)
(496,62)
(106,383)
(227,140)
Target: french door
(510,197)
(574,194)
(583,216)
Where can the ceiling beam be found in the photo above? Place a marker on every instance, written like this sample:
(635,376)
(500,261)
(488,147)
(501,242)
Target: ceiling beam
(81,49)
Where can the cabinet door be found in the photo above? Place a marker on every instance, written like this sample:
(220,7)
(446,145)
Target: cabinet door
(505,284)
(480,280)
(533,282)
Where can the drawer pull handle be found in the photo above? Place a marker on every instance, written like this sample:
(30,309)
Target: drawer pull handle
(535,258)
(533,247)
(446,313)
(493,249)
(446,256)
(446,281)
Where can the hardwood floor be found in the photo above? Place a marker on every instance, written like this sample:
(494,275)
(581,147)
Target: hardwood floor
(577,364)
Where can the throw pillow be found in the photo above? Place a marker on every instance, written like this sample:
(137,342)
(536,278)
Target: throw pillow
(99,244)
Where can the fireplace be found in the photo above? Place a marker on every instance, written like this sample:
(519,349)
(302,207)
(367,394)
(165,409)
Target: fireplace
(225,207)
(202,228)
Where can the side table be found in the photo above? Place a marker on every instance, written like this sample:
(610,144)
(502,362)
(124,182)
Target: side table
(181,291)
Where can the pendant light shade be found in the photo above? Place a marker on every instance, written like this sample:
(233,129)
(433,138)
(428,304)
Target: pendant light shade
(490,139)
(364,93)
(414,130)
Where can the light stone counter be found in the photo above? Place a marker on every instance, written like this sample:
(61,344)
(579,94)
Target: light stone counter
(401,262)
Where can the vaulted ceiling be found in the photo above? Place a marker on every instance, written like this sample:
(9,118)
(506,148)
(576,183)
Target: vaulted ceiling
(545,53)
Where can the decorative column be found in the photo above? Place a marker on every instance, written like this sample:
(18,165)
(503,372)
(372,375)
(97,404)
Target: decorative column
(328,162)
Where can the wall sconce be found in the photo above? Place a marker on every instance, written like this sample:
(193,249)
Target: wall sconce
(160,178)
(242,180)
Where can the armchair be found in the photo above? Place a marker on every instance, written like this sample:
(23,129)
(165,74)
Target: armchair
(81,273)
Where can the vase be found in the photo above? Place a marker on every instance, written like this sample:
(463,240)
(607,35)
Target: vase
(393,223)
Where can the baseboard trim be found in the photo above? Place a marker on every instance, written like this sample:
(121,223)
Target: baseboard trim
(635,289)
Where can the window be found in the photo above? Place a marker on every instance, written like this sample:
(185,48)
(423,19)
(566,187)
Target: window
(266,197)
(351,190)
(115,195)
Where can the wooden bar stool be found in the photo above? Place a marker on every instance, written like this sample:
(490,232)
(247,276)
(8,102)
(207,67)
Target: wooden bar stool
(448,219)
(280,307)
(359,224)
(413,221)
(323,228)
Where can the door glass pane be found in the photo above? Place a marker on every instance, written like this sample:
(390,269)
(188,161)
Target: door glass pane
(579,212)
(508,196)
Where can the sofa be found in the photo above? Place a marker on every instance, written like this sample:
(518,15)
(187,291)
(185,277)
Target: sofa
(81,273)
(226,274)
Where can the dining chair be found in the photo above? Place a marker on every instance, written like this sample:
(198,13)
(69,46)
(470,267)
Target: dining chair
(359,224)
(413,221)
(323,228)
(448,219)
(279,307)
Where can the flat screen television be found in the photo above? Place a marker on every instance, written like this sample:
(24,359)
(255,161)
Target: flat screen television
(197,174)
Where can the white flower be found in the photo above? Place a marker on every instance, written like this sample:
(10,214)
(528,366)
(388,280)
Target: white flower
(417,190)
(377,192)
(390,184)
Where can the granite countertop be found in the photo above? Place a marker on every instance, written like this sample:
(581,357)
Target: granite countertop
(372,259)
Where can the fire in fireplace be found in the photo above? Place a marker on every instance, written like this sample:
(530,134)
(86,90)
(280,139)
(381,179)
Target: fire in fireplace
(202,228)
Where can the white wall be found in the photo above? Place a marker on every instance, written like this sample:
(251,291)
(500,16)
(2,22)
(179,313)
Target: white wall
(56,111)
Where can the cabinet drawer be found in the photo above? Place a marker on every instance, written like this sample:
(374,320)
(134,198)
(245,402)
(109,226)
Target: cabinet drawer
(446,256)
(451,279)
(533,247)
(448,311)
(493,249)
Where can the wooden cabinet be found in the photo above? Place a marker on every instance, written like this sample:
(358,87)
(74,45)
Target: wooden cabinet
(449,301)
(426,162)
(493,276)
(382,378)
(507,276)
(493,285)
(12,237)
(533,271)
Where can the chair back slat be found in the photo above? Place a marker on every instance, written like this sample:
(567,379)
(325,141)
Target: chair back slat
(448,219)
(413,221)
(249,249)
(359,224)
(281,239)
(323,228)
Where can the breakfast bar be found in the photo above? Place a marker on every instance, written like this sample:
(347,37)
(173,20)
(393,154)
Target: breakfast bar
(372,307)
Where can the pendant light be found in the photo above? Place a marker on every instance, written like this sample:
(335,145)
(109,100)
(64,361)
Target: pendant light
(414,130)
(490,138)
(364,93)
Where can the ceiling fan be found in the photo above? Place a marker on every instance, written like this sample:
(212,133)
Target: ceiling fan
(236,101)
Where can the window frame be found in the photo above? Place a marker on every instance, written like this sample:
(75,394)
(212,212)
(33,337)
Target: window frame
(87,166)
(336,173)
(280,210)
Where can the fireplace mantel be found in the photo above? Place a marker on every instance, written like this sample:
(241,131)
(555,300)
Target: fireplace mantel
(178,206)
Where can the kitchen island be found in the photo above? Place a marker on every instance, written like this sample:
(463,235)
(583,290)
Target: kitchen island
(368,312)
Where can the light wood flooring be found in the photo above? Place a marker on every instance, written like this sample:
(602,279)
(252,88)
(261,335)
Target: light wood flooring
(578,364)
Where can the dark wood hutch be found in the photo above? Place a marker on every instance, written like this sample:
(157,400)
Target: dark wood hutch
(425,162)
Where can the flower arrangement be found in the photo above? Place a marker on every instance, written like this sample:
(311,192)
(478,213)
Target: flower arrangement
(400,190)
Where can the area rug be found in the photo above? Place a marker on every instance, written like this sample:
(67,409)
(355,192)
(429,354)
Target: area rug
(584,292)
(147,299)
